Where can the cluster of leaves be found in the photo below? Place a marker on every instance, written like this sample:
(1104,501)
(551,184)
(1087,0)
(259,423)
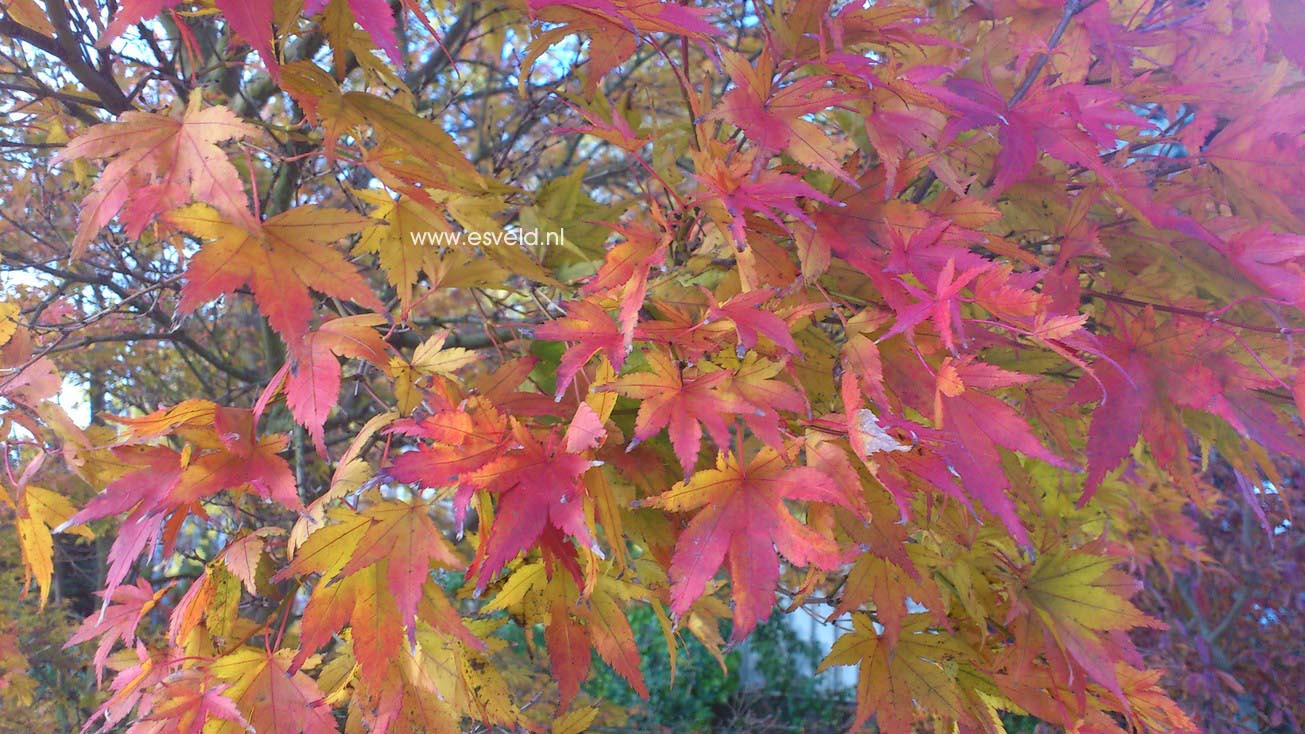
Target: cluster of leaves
(928,311)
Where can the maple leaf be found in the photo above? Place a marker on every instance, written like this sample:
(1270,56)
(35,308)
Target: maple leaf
(313,383)
(753,381)
(1079,597)
(375,17)
(773,115)
(189,704)
(401,537)
(429,359)
(31,15)
(750,321)
(630,260)
(592,328)
(608,123)
(620,23)
(183,416)
(680,328)
(741,516)
(1149,703)
(413,156)
(976,424)
(940,305)
(539,486)
(1298,389)
(258,468)
(768,192)
(598,620)
(38,511)
(610,630)
(1273,260)
(409,700)
(681,403)
(585,432)
(568,649)
(1145,374)
(1069,121)
(269,696)
(364,601)
(576,722)
(152,472)
(281,261)
(463,676)
(1117,422)
(159,163)
(118,621)
(894,679)
(139,673)
(462,441)
(393,239)
(627,267)
(366,598)
(903,114)
(242,555)
(142,491)
(252,22)
(886,573)
(157,486)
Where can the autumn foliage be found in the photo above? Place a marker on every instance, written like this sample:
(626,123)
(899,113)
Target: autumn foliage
(936,313)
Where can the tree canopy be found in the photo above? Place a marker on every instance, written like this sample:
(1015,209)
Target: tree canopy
(367,352)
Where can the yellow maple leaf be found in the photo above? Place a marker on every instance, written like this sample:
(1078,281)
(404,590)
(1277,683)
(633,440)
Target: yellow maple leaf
(894,680)
(39,510)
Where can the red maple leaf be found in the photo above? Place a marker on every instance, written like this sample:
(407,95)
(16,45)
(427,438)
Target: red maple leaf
(681,403)
(159,163)
(593,330)
(741,516)
(539,486)
(749,320)
(1273,260)
(774,116)
(1070,122)
(618,23)
(627,268)
(251,21)
(118,620)
(313,383)
(740,189)
(975,424)
(188,703)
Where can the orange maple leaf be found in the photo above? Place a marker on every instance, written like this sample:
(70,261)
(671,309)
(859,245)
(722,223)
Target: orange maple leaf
(280,260)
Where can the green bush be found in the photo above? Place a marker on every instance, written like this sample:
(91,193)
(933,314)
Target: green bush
(704,698)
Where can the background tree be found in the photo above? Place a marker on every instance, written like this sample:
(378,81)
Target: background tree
(935,312)
(1234,615)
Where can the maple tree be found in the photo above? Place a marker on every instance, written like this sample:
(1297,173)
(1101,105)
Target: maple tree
(935,312)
